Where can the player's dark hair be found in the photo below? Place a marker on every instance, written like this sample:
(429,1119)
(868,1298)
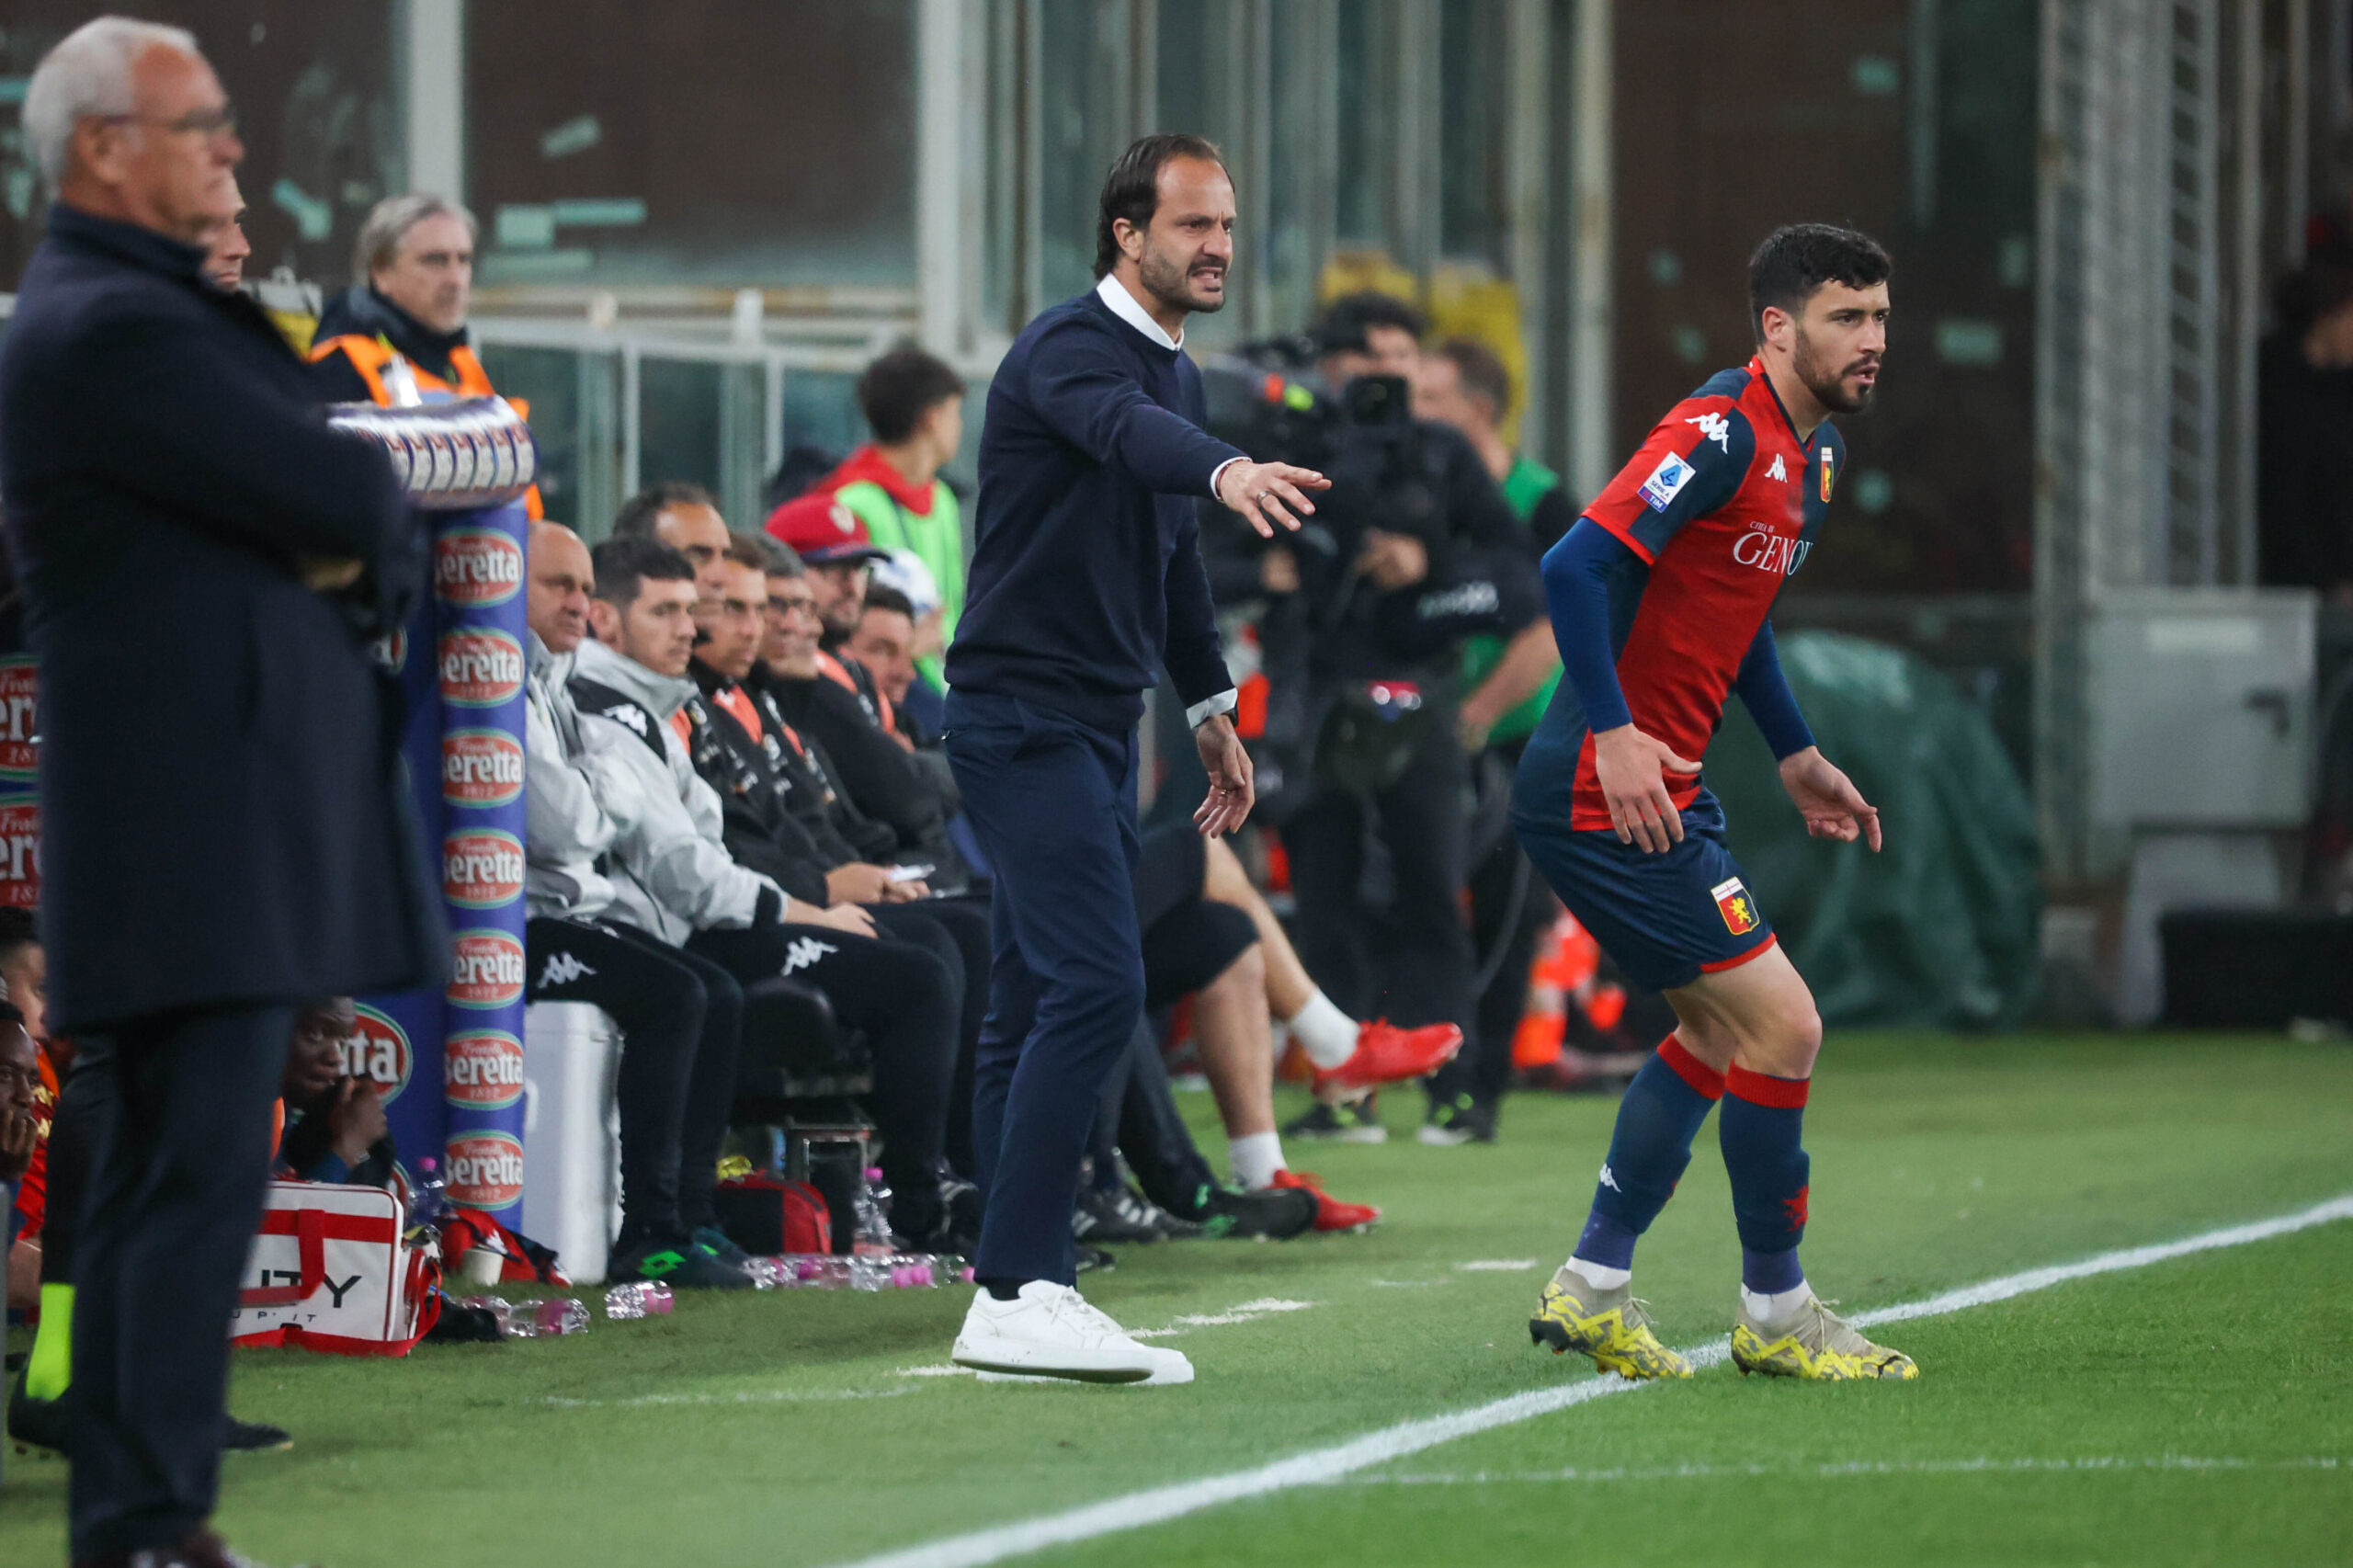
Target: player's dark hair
(624,565)
(751,550)
(641,512)
(1483,374)
(896,391)
(1132,190)
(18,930)
(10,1014)
(1799,258)
(1346,322)
(881,597)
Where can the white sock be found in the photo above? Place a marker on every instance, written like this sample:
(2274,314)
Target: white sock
(1326,1033)
(1776,1306)
(1255,1159)
(1600,1276)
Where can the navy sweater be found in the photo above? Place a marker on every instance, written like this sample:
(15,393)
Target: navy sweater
(1087,566)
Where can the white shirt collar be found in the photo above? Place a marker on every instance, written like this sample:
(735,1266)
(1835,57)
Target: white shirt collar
(1114,293)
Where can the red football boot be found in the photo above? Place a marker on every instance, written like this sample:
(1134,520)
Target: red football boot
(1331,1214)
(1387,1054)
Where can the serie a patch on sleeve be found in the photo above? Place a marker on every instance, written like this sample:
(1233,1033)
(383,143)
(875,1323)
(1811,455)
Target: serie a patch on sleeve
(1666,482)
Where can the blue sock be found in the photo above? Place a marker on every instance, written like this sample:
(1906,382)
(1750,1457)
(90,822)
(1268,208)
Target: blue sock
(1661,1113)
(1762,1130)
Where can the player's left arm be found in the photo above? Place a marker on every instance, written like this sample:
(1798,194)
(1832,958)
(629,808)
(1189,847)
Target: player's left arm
(1826,798)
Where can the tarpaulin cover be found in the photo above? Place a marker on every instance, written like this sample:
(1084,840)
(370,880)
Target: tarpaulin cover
(1941,928)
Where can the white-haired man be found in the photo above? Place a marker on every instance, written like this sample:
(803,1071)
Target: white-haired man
(168,471)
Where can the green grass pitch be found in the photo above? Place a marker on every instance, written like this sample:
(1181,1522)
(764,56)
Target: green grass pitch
(2198,1409)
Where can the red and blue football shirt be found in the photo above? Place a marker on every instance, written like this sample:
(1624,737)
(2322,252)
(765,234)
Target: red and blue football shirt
(1721,504)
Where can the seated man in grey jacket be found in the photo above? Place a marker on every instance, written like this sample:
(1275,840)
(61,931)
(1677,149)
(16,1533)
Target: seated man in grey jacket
(679,1014)
(674,879)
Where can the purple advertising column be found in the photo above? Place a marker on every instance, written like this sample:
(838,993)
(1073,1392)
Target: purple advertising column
(478,598)
(462,664)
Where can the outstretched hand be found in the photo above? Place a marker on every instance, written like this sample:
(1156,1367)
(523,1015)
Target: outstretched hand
(1827,799)
(1232,791)
(1267,494)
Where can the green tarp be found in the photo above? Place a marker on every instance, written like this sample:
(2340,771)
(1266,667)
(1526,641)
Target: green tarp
(1939,929)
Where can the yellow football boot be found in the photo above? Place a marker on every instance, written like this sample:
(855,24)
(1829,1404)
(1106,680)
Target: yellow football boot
(1815,1342)
(1609,1325)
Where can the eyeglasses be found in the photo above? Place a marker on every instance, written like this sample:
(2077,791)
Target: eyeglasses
(220,121)
(805,604)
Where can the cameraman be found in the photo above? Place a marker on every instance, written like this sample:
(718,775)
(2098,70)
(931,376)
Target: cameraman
(1415,551)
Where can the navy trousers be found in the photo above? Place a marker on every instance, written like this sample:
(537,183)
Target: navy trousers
(176,1196)
(1053,803)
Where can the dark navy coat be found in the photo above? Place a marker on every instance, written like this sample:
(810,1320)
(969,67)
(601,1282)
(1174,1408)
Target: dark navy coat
(221,809)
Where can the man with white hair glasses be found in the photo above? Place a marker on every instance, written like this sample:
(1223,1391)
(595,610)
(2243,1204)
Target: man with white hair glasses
(167,472)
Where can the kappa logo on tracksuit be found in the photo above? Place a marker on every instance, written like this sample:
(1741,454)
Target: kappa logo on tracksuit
(562,970)
(805,952)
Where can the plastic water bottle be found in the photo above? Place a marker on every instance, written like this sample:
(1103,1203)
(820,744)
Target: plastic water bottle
(560,1315)
(429,1199)
(870,1211)
(503,1311)
(801,1270)
(639,1299)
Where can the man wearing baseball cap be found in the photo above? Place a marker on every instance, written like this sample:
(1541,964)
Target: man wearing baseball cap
(831,541)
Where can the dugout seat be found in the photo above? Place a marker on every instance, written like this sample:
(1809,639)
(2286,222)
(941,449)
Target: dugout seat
(800,1073)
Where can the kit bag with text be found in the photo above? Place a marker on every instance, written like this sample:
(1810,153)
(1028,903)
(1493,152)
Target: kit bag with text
(330,1270)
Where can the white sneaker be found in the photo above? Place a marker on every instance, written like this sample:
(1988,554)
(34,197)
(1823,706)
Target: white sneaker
(1049,1331)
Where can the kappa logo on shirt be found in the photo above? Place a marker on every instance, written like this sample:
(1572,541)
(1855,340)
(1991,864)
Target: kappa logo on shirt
(1666,482)
(1713,427)
(1777,470)
(804,951)
(629,714)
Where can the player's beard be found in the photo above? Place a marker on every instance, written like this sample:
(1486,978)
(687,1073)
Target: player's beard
(1828,387)
(1169,281)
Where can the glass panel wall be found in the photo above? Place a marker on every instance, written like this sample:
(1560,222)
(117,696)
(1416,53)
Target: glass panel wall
(1085,52)
(312,81)
(1474,198)
(725,142)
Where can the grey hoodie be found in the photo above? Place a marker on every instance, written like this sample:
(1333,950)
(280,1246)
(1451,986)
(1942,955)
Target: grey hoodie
(577,802)
(671,873)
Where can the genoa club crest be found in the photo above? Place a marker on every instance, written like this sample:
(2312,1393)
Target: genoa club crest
(1733,902)
(1827,477)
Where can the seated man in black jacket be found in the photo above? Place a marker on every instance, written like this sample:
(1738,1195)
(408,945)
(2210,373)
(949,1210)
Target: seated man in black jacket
(785,814)
(879,768)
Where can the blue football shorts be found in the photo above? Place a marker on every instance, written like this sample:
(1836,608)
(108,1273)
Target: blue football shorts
(1666,919)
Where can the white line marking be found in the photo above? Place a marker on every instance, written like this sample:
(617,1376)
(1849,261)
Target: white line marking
(1499,1266)
(1248,1311)
(749,1396)
(1978,1466)
(1321,1465)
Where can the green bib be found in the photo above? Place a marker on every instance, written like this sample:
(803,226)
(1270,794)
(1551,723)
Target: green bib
(1528,483)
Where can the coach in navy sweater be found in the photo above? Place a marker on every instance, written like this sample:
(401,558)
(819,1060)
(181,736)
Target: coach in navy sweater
(1086,580)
